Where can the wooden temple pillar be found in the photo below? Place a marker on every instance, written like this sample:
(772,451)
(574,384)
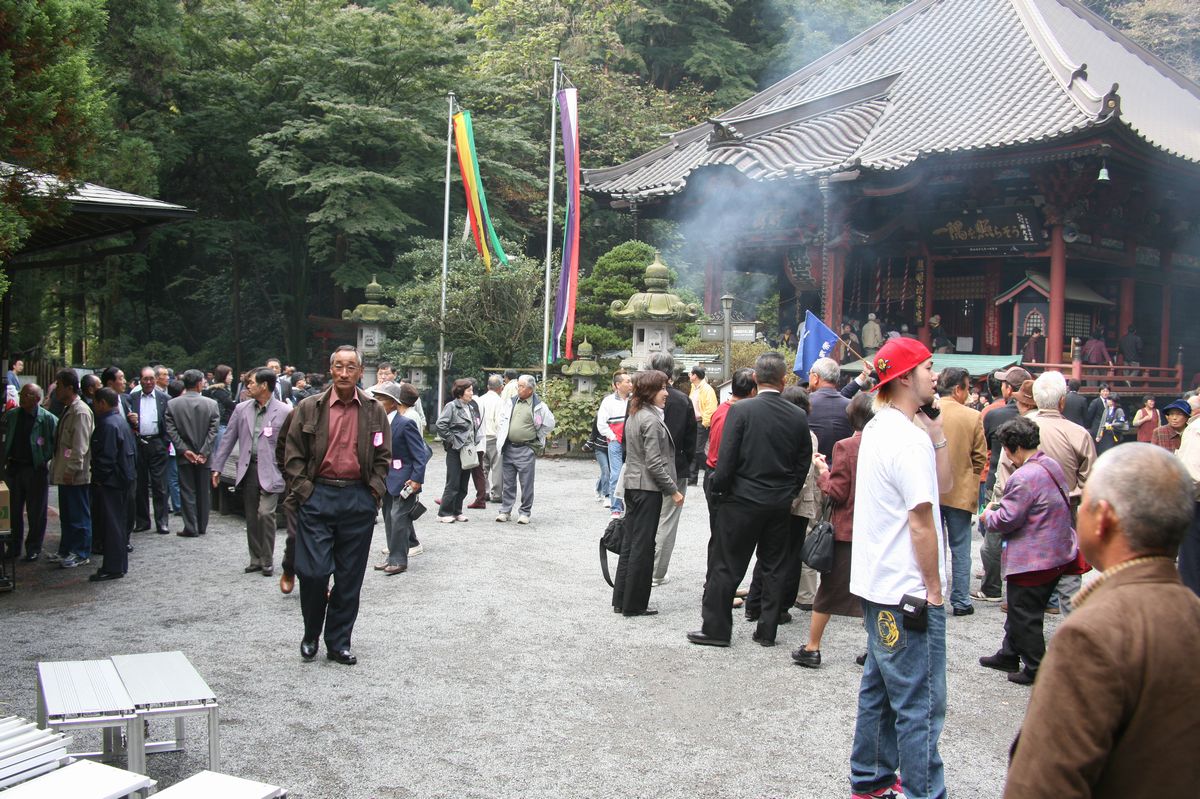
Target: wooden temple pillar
(1164,335)
(1058,295)
(1125,305)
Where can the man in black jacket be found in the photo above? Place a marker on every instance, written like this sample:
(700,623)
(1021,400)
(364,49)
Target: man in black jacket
(113,469)
(766,452)
(680,419)
(1075,405)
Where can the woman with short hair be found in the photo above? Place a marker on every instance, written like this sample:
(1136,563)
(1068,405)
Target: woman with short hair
(456,427)
(649,477)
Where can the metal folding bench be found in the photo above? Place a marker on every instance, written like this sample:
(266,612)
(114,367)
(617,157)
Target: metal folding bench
(209,784)
(75,694)
(27,752)
(166,685)
(83,779)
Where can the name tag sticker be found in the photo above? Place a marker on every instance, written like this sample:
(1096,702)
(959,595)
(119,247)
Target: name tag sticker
(397,464)
(67,452)
(268,431)
(41,441)
(378,440)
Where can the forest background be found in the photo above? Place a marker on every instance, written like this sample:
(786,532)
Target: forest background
(309,135)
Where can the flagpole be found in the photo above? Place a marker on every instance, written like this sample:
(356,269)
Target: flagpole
(445,257)
(549,225)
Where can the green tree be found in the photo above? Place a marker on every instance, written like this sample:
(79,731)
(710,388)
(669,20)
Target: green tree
(52,111)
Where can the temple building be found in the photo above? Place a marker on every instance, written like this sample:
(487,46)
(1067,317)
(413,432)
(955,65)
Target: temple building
(1004,164)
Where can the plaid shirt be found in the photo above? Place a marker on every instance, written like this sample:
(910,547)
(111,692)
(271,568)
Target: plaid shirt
(1166,437)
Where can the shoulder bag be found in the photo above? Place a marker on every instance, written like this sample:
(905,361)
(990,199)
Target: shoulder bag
(610,541)
(817,551)
(1080,564)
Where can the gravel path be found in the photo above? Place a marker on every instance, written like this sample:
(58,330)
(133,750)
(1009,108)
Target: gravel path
(493,668)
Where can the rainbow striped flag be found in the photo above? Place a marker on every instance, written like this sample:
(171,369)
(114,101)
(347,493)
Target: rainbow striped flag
(568,282)
(477,210)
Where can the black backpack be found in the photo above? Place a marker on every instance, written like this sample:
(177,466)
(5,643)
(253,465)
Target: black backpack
(610,541)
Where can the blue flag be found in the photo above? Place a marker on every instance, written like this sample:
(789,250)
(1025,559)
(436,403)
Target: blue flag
(816,341)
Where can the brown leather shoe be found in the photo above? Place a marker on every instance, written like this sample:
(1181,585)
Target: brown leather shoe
(478,504)
(287,582)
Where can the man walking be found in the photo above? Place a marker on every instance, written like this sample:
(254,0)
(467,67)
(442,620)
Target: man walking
(147,417)
(766,452)
(28,447)
(610,422)
(898,568)
(967,452)
(192,422)
(521,430)
(114,454)
(337,454)
(405,476)
(71,471)
(704,402)
(680,419)
(489,405)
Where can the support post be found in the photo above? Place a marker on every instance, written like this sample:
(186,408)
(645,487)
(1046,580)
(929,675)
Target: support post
(727,352)
(1076,360)
(549,227)
(441,388)
(1125,307)
(1166,258)
(1058,295)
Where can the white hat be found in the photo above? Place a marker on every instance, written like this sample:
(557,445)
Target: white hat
(871,316)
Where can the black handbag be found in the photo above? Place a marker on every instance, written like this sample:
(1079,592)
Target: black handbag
(614,534)
(817,552)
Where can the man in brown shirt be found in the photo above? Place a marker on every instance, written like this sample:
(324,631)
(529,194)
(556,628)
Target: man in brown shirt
(967,450)
(336,461)
(1110,714)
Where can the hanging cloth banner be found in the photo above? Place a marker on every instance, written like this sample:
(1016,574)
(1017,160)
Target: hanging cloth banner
(477,210)
(568,282)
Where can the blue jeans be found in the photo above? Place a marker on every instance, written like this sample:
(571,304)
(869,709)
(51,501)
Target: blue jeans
(75,520)
(901,705)
(604,483)
(173,483)
(958,531)
(616,459)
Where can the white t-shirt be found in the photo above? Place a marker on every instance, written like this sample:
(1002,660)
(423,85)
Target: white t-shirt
(897,472)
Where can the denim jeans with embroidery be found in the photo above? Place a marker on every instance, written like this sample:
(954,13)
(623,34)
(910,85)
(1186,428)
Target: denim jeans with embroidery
(901,705)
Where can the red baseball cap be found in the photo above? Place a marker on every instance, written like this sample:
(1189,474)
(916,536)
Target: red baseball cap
(898,357)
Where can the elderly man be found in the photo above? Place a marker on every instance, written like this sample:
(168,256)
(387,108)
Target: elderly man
(28,447)
(489,405)
(114,453)
(336,457)
(521,429)
(967,451)
(255,428)
(1170,435)
(1189,453)
(192,422)
(71,471)
(148,418)
(828,418)
(1109,715)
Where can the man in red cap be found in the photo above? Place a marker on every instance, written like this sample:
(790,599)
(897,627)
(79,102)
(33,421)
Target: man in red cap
(898,567)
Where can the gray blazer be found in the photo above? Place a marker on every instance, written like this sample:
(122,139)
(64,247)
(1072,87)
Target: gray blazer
(192,423)
(649,454)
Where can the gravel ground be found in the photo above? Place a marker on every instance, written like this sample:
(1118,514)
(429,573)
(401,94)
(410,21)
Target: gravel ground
(493,668)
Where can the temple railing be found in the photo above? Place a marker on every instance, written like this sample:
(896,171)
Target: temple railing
(1122,379)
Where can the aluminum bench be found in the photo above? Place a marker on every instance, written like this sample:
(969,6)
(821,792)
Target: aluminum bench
(27,752)
(83,779)
(76,694)
(208,784)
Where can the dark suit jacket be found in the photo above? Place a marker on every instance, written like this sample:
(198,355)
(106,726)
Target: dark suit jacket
(409,448)
(766,451)
(113,451)
(828,419)
(992,423)
(1075,408)
(680,418)
(1095,414)
(161,399)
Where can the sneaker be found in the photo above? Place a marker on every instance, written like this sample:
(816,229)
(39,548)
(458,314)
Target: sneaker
(73,560)
(999,662)
(809,658)
(967,611)
(607,502)
(893,791)
(461,518)
(522,520)
(53,557)
(414,551)
(616,514)
(446,519)
(982,597)
(502,517)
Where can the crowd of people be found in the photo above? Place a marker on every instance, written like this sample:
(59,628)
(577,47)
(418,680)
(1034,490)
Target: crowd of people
(890,471)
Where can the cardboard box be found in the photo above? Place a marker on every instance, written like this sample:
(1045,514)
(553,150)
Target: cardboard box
(5,522)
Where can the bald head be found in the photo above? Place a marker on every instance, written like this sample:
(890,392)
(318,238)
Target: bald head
(1150,493)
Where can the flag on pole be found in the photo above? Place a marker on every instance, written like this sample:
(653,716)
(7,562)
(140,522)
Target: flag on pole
(477,210)
(568,282)
(816,341)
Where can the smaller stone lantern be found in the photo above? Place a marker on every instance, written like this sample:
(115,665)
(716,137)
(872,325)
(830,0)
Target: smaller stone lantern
(369,318)
(654,314)
(583,370)
(417,364)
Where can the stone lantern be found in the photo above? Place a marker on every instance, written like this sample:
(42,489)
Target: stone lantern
(655,314)
(417,364)
(583,370)
(368,318)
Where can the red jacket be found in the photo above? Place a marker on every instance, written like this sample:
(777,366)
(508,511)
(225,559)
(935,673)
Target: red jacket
(839,485)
